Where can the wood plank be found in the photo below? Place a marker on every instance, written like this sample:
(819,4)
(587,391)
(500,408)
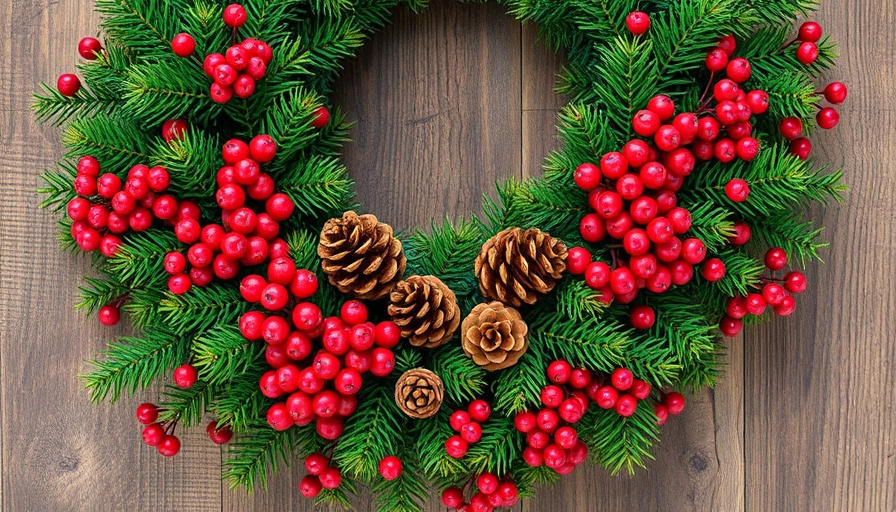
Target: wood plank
(59,452)
(819,399)
(437,100)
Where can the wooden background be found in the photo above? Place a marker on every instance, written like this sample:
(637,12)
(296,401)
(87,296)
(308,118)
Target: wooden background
(447,102)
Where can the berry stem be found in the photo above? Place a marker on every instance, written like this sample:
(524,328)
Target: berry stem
(712,77)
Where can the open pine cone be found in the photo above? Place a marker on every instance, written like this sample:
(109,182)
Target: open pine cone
(419,393)
(426,311)
(518,267)
(494,335)
(360,256)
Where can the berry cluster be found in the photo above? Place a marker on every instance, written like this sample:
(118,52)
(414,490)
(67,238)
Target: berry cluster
(672,403)
(237,71)
(490,494)
(622,393)
(323,389)
(245,237)
(68,84)
(321,475)
(468,425)
(827,118)
(551,438)
(809,35)
(160,434)
(775,292)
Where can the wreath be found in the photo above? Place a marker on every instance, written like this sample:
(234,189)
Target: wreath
(485,356)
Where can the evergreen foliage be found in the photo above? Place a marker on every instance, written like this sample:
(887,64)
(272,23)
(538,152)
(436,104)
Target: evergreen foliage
(137,84)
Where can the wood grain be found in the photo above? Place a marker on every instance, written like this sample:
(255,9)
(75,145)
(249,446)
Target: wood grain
(819,386)
(447,102)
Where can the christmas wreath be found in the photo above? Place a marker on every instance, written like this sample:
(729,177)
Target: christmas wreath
(482,357)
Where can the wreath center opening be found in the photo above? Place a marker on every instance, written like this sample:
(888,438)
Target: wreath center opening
(447,102)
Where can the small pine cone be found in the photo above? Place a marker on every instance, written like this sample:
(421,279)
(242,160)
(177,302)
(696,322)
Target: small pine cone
(518,267)
(494,335)
(360,256)
(426,310)
(419,393)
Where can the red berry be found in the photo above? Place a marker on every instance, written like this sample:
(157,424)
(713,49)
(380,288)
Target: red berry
(791,127)
(383,362)
(552,396)
(68,84)
(458,419)
(234,15)
(622,379)
(795,282)
(606,397)
(773,293)
(479,410)
(353,312)
(487,483)
(835,93)
(109,245)
(89,48)
(662,106)
(693,251)
(592,228)
(387,334)
(572,409)
(640,389)
(109,315)
(577,260)
(169,446)
(390,467)
(755,304)
(559,372)
(801,148)
(807,53)
(712,270)
(218,436)
(662,414)
(153,434)
(185,376)
(331,478)
(622,281)
(730,327)
(316,463)
(827,118)
(179,284)
(456,447)
(810,32)
(786,307)
(525,421)
(547,420)
(739,70)
(626,405)
(643,317)
(244,86)
(279,206)
(674,402)
(716,60)
(183,45)
(747,148)
(471,432)
(646,123)
(320,118)
(453,497)
(636,152)
(637,22)
(310,486)
(147,413)
(728,44)
(613,165)
(667,138)
(737,190)
(776,258)
(587,176)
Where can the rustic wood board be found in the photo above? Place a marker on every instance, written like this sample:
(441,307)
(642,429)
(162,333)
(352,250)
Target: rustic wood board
(446,103)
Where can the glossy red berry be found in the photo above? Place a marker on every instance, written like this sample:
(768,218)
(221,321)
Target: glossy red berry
(320,118)
(109,315)
(739,70)
(693,251)
(662,414)
(786,307)
(737,190)
(730,327)
(674,402)
(390,467)
(453,497)
(810,32)
(235,15)
(606,397)
(835,93)
(68,84)
(169,446)
(153,434)
(640,389)
(637,22)
(185,376)
(179,284)
(747,148)
(636,152)
(479,410)
(458,419)
(646,123)
(147,413)
(218,435)
(643,317)
(456,447)
(622,379)
(626,405)
(807,53)
(827,118)
(755,304)
(716,60)
(310,486)
(776,258)
(559,372)
(728,44)
(773,293)
(712,270)
(662,106)
(795,282)
(471,432)
(801,148)
(587,176)
(577,260)
(183,45)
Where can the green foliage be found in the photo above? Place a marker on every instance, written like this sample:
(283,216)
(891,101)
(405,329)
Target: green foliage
(137,83)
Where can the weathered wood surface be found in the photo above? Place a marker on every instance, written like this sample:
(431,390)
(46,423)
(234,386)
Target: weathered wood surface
(447,102)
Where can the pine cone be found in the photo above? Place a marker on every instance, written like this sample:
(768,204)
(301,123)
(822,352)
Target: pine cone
(518,267)
(426,311)
(419,393)
(494,335)
(360,256)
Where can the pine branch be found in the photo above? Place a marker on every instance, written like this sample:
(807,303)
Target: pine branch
(257,454)
(96,293)
(799,238)
(192,163)
(202,308)
(628,78)
(712,225)
(518,388)
(133,363)
(429,447)
(240,403)
(223,355)
(501,445)
(742,273)
(156,93)
(319,187)
(371,433)
(117,145)
(464,380)
(146,26)
(448,252)
(577,301)
(186,406)
(58,108)
(139,260)
(616,442)
(404,494)
(58,186)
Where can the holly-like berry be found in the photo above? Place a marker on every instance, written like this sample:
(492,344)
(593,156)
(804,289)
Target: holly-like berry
(109,315)
(776,258)
(737,190)
(453,497)
(577,260)
(807,53)
(147,413)
(89,48)
(622,379)
(810,32)
(801,148)
(169,446)
(153,434)
(637,22)
(174,129)
(185,376)
(739,70)
(310,486)
(479,410)
(643,317)
(674,402)
(626,405)
(68,84)
(731,327)
(353,312)
(795,282)
(835,93)
(559,372)
(587,176)
(320,118)
(390,467)
(662,414)
(712,270)
(183,45)
(235,16)
(456,447)
(218,436)
(331,478)
(827,118)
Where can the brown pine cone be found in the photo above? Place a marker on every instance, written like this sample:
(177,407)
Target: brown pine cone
(360,256)
(419,393)
(426,310)
(518,267)
(494,335)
